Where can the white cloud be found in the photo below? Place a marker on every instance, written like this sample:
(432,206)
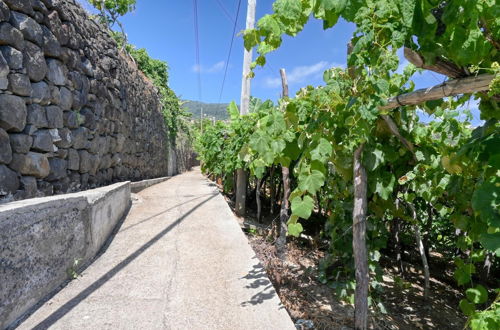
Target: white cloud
(301,74)
(217,67)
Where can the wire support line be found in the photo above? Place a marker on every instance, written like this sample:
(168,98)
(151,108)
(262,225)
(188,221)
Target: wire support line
(230,50)
(225,11)
(197,46)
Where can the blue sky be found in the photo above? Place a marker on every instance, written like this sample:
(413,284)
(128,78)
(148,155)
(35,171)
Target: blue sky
(166,30)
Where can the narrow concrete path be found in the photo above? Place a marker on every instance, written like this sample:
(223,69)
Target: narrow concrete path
(178,261)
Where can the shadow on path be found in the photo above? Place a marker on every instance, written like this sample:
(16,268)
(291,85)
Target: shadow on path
(260,281)
(160,213)
(67,307)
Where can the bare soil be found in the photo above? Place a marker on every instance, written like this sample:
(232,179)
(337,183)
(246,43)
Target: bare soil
(307,299)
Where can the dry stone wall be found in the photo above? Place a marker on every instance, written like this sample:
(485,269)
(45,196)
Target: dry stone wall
(74,112)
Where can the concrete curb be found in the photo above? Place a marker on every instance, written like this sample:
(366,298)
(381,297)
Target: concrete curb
(44,239)
(136,187)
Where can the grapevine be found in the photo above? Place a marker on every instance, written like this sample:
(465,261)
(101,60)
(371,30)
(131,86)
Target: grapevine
(444,174)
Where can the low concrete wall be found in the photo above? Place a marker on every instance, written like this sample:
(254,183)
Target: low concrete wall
(135,187)
(41,238)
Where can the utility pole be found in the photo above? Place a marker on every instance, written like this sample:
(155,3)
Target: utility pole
(241,181)
(201,120)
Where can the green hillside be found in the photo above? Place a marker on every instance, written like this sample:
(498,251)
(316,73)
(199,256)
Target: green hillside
(217,110)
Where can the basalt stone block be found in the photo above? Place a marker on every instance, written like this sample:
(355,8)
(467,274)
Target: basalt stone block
(71,119)
(30,129)
(66,140)
(37,116)
(75,181)
(94,164)
(19,84)
(120,142)
(21,143)
(105,162)
(4,83)
(73,160)
(62,153)
(4,67)
(34,62)
(25,6)
(62,186)
(54,116)
(32,164)
(57,169)
(5,148)
(43,141)
(55,95)
(78,100)
(13,57)
(51,46)
(28,184)
(38,5)
(85,161)
(54,133)
(80,138)
(89,119)
(11,36)
(12,113)
(40,93)
(30,29)
(9,183)
(66,98)
(76,79)
(84,180)
(44,188)
(56,72)
(87,67)
(4,12)
(94,145)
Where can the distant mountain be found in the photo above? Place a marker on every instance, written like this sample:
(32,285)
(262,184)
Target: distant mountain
(217,110)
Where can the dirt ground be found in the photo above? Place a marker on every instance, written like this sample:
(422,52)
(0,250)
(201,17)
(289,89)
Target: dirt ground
(307,299)
(314,305)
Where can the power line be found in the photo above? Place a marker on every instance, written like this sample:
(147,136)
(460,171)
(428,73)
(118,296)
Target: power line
(226,12)
(197,45)
(230,50)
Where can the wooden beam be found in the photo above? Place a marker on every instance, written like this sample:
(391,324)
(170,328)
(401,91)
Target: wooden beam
(453,87)
(441,65)
(395,130)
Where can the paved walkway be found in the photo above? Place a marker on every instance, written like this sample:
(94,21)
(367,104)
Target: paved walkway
(178,261)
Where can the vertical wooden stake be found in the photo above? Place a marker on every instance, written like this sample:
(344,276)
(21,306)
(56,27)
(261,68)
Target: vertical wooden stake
(272,188)
(285,172)
(257,198)
(359,242)
(421,250)
(359,231)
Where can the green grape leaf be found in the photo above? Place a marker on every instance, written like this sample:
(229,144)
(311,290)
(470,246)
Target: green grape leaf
(323,151)
(295,229)
(372,159)
(384,184)
(467,308)
(277,146)
(463,272)
(259,142)
(491,242)
(477,295)
(311,182)
(302,207)
(233,111)
(486,202)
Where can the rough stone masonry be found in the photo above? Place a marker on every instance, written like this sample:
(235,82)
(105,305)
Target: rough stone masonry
(75,113)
